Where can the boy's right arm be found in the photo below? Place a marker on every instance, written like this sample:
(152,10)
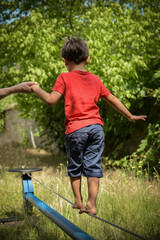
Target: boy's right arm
(49,99)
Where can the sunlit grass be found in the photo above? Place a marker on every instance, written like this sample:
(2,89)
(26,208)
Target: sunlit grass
(132,203)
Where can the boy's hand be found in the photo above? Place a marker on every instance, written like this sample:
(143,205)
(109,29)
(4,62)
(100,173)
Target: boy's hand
(35,87)
(25,87)
(133,118)
(116,104)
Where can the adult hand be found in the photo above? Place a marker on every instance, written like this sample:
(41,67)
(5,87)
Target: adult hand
(25,87)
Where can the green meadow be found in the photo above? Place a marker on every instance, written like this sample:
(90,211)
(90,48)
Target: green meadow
(125,200)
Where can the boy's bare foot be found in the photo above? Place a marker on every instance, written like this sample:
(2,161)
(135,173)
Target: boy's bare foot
(88,209)
(77,206)
(78,203)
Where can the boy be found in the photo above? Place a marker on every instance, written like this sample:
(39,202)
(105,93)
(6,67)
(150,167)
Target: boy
(84,134)
(24,87)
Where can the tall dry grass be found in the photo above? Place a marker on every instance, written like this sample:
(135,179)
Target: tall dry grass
(132,203)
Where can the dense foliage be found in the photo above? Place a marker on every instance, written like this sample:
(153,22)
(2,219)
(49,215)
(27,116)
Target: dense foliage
(123,39)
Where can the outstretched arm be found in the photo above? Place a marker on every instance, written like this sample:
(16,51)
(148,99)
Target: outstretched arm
(49,99)
(24,87)
(116,104)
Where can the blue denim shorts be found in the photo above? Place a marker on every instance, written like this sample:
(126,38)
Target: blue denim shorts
(84,149)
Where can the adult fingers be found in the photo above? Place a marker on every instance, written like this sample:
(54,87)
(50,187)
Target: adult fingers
(32,83)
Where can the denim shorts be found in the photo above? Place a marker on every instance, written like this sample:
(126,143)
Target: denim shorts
(84,149)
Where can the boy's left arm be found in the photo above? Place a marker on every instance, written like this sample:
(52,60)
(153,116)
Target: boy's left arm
(116,104)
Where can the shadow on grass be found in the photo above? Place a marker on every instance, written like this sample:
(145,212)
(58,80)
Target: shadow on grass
(13,214)
(19,230)
(27,226)
(10,228)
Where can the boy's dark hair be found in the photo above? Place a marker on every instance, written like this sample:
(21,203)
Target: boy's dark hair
(75,50)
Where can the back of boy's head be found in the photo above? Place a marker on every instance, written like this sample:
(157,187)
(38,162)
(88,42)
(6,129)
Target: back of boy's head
(75,50)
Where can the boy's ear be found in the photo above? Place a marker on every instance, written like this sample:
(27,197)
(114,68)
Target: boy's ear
(66,62)
(87,60)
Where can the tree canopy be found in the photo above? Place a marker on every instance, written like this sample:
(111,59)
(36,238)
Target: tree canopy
(123,39)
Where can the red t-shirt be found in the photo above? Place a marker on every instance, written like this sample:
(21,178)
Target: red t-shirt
(81,90)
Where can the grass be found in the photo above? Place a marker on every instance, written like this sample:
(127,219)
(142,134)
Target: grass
(132,203)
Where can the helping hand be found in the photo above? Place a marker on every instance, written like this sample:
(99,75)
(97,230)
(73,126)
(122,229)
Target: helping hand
(25,87)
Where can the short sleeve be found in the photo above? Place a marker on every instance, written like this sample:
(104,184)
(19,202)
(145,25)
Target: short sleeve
(59,85)
(104,92)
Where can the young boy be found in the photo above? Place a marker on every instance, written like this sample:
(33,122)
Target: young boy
(24,87)
(84,134)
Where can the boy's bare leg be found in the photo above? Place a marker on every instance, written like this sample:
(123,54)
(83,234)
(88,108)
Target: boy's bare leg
(93,187)
(76,187)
